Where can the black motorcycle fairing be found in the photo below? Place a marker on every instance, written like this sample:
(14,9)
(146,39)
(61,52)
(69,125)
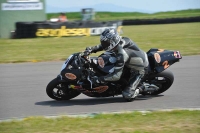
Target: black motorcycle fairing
(160,59)
(72,75)
(109,61)
(114,89)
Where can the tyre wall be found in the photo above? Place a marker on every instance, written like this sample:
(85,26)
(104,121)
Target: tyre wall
(63,29)
(84,28)
(160,21)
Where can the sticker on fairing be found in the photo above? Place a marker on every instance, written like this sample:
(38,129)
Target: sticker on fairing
(101,62)
(112,59)
(177,54)
(157,57)
(165,64)
(70,76)
(160,50)
(100,89)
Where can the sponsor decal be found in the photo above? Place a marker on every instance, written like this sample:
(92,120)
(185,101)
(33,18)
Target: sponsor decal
(160,50)
(165,64)
(63,31)
(23,0)
(177,54)
(100,89)
(157,57)
(112,59)
(22,6)
(70,76)
(101,62)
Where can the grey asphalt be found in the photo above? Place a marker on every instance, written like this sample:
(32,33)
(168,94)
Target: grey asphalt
(22,92)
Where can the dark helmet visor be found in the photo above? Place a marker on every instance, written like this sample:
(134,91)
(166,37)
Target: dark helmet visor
(105,45)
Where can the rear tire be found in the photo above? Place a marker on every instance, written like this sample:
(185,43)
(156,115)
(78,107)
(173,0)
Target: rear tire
(168,79)
(59,91)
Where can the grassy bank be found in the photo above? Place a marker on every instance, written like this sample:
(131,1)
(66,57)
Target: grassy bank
(135,122)
(183,37)
(105,16)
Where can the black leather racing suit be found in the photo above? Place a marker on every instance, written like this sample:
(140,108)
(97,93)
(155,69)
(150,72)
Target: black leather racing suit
(129,55)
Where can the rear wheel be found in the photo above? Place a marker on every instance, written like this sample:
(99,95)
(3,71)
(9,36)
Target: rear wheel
(60,91)
(163,80)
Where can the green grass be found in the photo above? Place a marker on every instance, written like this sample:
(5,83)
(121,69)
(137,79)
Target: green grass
(134,122)
(184,37)
(107,16)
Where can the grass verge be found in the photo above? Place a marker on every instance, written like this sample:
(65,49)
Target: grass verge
(184,37)
(178,121)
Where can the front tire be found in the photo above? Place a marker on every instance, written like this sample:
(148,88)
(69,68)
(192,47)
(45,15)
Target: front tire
(60,91)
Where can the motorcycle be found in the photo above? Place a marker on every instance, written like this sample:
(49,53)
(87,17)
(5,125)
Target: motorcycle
(78,70)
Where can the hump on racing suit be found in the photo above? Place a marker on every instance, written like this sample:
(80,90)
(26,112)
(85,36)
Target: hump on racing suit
(129,55)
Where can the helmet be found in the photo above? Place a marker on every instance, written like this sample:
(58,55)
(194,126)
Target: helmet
(109,39)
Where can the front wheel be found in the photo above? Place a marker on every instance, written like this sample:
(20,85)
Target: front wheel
(60,91)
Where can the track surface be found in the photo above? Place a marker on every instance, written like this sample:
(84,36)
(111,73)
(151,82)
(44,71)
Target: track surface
(22,92)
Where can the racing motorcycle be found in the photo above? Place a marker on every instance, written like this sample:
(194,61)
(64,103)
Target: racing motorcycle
(78,70)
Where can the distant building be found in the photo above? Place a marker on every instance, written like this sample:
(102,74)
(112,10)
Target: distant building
(88,14)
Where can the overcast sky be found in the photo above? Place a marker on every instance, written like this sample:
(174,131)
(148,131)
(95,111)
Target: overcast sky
(146,5)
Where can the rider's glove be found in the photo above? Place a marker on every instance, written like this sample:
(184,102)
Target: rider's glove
(87,51)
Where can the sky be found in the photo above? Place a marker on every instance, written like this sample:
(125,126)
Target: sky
(148,6)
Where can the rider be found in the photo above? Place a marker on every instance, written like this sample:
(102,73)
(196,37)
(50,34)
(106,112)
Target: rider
(128,54)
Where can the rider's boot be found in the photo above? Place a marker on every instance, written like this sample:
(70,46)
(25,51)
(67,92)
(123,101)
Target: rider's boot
(141,87)
(132,90)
